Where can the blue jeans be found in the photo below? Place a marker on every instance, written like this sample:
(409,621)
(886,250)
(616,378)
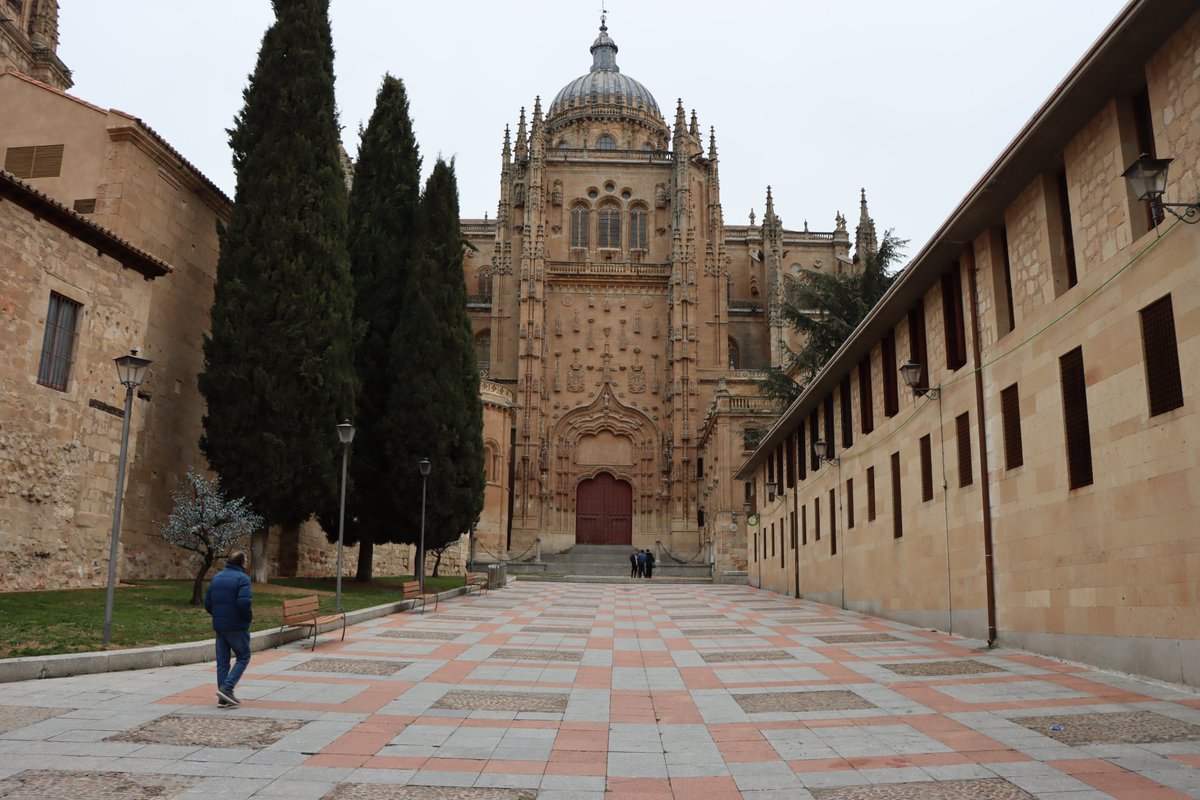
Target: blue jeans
(239,643)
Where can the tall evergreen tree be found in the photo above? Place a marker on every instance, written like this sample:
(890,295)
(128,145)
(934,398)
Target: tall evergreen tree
(278,365)
(843,301)
(383,210)
(438,404)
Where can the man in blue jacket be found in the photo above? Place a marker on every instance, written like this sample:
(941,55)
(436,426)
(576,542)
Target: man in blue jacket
(228,601)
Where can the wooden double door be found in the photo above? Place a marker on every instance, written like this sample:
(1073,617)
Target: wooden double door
(604,511)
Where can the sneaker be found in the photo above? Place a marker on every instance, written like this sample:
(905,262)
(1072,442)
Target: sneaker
(228,696)
(223,704)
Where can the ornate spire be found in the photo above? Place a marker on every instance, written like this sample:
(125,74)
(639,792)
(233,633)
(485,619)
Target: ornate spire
(507,153)
(864,234)
(537,112)
(522,137)
(712,143)
(680,120)
(694,128)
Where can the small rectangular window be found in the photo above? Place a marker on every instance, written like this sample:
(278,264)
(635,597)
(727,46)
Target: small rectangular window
(870,494)
(891,396)
(772,540)
(926,468)
(779,466)
(952,316)
(789,461)
(700,467)
(897,506)
(1010,411)
(1075,419)
(849,502)
(756,548)
(37,161)
(85,206)
(1002,291)
(803,525)
(1067,233)
(782,543)
(817,518)
(847,413)
(830,436)
(865,400)
(801,453)
(58,342)
(916,341)
(1161,352)
(793,529)
(833,522)
(814,433)
(962,434)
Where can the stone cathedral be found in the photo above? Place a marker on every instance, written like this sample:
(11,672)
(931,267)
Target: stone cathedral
(611,302)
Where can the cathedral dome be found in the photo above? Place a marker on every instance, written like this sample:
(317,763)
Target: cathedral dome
(605,92)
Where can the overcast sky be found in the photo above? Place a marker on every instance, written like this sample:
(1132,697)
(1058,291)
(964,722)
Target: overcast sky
(912,100)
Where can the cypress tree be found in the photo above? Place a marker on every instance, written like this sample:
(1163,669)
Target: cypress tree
(383,209)
(437,402)
(278,368)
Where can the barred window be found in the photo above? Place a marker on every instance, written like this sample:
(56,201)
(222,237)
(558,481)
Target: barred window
(866,403)
(817,519)
(579,227)
(803,525)
(606,142)
(833,522)
(926,468)
(870,494)
(897,517)
(1161,351)
(849,502)
(917,349)
(954,319)
(801,453)
(962,434)
(1075,419)
(847,413)
(58,342)
(1010,411)
(891,396)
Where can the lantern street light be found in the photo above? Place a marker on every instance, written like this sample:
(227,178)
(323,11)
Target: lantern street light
(345,432)
(1147,179)
(911,373)
(425,467)
(131,371)
(823,450)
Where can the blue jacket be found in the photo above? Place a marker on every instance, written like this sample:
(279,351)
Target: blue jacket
(228,600)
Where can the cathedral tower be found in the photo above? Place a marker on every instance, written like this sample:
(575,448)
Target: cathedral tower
(29,41)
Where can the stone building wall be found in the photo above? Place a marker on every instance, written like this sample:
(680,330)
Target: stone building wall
(59,448)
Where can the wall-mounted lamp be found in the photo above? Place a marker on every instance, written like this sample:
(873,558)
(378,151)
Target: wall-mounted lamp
(911,372)
(746,508)
(823,451)
(1147,179)
(773,488)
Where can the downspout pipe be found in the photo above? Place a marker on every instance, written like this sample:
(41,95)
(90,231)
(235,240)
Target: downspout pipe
(985,488)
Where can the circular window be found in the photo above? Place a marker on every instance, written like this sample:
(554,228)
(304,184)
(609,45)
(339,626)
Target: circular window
(626,194)
(593,194)
(610,187)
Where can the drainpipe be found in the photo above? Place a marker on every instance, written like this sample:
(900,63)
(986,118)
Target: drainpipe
(985,489)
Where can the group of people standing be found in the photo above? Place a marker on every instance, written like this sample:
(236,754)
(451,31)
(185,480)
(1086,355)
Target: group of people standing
(641,564)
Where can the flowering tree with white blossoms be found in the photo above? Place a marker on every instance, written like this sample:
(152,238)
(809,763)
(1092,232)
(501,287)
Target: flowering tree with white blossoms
(206,523)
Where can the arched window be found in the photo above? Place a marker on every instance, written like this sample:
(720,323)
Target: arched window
(606,142)
(735,354)
(483,351)
(485,283)
(638,230)
(608,236)
(579,227)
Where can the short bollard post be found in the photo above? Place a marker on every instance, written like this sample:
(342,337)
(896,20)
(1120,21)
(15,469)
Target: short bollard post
(537,550)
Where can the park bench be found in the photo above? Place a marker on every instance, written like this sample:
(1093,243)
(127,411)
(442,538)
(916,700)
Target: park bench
(477,581)
(412,591)
(305,612)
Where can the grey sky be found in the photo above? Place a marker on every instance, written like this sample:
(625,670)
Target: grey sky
(912,100)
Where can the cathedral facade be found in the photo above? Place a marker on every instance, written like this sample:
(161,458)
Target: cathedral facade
(612,300)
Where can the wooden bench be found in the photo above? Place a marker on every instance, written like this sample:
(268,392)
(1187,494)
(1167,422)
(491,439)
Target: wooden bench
(477,581)
(305,612)
(412,591)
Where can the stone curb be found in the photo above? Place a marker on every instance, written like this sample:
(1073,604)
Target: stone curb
(172,655)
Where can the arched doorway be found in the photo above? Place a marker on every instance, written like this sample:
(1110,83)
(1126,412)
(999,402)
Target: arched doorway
(604,511)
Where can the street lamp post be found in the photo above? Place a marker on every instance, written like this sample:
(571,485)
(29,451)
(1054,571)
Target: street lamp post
(424,466)
(345,432)
(131,370)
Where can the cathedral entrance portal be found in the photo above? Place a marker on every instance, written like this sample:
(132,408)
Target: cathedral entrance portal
(604,511)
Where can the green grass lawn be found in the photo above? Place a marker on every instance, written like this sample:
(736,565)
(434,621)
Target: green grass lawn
(149,613)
